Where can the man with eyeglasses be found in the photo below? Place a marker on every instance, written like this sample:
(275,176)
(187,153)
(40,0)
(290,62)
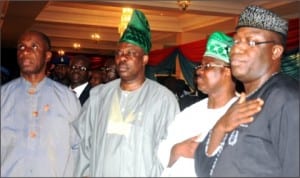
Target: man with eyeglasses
(259,135)
(124,120)
(110,71)
(96,77)
(193,123)
(79,74)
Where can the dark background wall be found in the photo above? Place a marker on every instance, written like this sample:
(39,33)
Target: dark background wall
(9,62)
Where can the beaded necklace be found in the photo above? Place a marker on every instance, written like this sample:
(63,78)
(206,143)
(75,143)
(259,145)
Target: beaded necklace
(220,149)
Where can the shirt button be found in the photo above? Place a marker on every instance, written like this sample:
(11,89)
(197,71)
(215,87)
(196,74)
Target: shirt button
(35,113)
(46,108)
(32,134)
(31,91)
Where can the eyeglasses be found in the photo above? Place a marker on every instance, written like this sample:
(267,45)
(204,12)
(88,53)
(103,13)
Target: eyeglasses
(110,69)
(127,53)
(81,68)
(207,66)
(106,69)
(252,43)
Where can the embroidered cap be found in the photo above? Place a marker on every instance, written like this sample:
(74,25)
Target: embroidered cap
(258,17)
(138,31)
(218,46)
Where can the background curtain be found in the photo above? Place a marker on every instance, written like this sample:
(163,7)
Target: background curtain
(290,63)
(161,62)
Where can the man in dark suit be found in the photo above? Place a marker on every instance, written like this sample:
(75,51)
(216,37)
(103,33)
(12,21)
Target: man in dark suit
(79,74)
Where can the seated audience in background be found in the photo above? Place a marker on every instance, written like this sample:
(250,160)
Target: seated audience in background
(124,120)
(60,71)
(36,115)
(192,124)
(79,74)
(96,77)
(259,135)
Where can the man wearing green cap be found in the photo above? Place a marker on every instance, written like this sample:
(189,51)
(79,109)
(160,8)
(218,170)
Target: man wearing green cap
(264,144)
(123,122)
(192,124)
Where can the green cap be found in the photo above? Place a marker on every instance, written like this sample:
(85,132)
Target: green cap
(138,31)
(218,46)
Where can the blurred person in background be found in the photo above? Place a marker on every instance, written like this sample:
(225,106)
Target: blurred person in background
(96,77)
(79,74)
(60,71)
(110,71)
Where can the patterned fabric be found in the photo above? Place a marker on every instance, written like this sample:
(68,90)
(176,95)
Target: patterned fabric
(218,46)
(138,31)
(258,17)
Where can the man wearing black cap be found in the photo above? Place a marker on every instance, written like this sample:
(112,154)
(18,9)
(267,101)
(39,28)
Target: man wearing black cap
(266,144)
(60,71)
(124,120)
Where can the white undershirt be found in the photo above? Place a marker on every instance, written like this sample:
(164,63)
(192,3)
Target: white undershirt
(79,89)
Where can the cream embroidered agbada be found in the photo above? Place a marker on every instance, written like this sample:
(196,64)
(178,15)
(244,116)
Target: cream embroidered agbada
(121,130)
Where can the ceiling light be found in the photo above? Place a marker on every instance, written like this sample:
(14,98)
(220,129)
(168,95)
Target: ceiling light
(95,37)
(61,52)
(76,46)
(183,4)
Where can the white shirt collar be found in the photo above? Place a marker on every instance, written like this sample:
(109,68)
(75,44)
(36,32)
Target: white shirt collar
(79,89)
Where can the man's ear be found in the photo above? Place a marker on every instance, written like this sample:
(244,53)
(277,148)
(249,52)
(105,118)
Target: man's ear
(48,56)
(227,71)
(145,59)
(277,52)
